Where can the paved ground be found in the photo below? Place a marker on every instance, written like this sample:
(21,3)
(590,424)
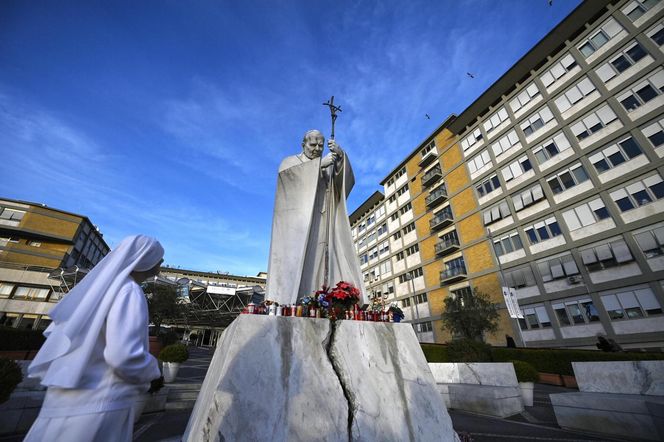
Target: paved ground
(537,423)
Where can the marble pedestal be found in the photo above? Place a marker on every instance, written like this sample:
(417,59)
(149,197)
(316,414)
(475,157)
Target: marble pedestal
(276,378)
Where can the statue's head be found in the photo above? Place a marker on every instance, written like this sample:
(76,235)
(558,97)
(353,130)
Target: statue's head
(312,144)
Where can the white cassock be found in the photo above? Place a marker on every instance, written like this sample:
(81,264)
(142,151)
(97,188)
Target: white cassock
(310,230)
(120,369)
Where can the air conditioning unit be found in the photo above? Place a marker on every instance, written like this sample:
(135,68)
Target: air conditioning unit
(574,279)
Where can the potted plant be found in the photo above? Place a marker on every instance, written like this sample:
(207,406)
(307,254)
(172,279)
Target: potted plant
(527,375)
(10,377)
(172,356)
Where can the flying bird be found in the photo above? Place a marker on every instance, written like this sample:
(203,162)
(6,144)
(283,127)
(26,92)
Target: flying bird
(550,2)
(470,75)
(428,117)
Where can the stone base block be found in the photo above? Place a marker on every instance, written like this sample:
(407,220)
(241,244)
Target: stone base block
(485,399)
(278,378)
(631,416)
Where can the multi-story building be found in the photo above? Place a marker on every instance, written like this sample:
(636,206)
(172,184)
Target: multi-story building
(550,183)
(43,251)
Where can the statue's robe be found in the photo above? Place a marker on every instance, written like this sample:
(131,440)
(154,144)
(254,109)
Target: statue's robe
(310,212)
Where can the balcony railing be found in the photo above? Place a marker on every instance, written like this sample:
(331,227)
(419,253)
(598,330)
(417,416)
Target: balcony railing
(441,220)
(447,246)
(453,274)
(437,196)
(428,157)
(432,176)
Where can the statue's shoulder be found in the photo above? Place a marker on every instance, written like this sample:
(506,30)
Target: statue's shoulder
(289,162)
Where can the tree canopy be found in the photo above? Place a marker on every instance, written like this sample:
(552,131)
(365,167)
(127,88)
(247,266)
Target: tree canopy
(470,315)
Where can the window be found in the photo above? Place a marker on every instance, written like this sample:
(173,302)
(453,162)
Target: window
(11,214)
(405,302)
(528,197)
(405,208)
(402,190)
(577,311)
(421,298)
(361,243)
(638,194)
(567,179)
(534,318)
(655,133)
(394,216)
(371,220)
(31,293)
(428,148)
(558,268)
(524,97)
(380,212)
(470,140)
(396,235)
(412,249)
(423,327)
(450,238)
(495,120)
(385,267)
(521,277)
(593,122)
(505,143)
(517,168)
(615,154)
(586,214)
(382,229)
(657,34)
(575,94)
(399,256)
(507,244)
(604,256)
(392,198)
(388,288)
(637,8)
(34,243)
(560,68)
(384,247)
(621,62)
(607,31)
(496,213)
(479,161)
(373,254)
(552,147)
(643,92)
(488,185)
(362,227)
(543,230)
(410,275)
(364,259)
(396,176)
(632,304)
(537,121)
(5,289)
(417,272)
(409,228)
(651,242)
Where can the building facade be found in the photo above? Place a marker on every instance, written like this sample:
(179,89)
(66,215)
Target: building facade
(43,251)
(550,184)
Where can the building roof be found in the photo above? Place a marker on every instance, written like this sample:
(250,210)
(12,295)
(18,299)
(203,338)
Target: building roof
(366,206)
(213,275)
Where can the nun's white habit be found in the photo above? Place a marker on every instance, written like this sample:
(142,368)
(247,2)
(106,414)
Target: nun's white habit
(95,361)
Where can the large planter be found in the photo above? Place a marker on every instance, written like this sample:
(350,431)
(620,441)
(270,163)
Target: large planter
(527,393)
(155,345)
(570,381)
(551,379)
(171,371)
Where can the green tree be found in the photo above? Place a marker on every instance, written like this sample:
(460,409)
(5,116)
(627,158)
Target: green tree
(162,303)
(470,315)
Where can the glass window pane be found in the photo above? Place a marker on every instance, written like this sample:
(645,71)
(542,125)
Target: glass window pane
(647,93)
(561,314)
(630,147)
(575,313)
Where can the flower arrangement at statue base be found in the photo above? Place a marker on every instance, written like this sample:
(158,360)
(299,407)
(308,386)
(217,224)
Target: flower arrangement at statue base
(338,302)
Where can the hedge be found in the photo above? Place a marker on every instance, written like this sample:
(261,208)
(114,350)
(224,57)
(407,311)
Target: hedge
(10,377)
(174,353)
(545,360)
(16,339)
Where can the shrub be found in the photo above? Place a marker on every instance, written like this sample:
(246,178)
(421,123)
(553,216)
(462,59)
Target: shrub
(525,372)
(435,352)
(174,353)
(469,350)
(16,339)
(10,377)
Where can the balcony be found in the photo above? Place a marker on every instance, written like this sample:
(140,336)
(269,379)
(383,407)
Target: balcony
(453,274)
(443,219)
(428,157)
(447,246)
(437,196)
(432,176)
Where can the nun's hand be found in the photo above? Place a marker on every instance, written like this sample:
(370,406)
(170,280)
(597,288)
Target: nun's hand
(156,385)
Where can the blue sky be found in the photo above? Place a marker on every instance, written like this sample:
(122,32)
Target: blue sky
(170,118)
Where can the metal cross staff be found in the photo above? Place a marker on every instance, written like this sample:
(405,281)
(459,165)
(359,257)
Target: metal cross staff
(333,113)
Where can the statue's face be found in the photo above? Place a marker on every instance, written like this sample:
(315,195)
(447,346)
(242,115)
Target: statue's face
(312,145)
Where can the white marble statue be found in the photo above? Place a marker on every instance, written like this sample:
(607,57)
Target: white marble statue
(311,242)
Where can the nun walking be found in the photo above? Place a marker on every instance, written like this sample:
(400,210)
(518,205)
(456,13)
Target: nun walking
(95,361)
